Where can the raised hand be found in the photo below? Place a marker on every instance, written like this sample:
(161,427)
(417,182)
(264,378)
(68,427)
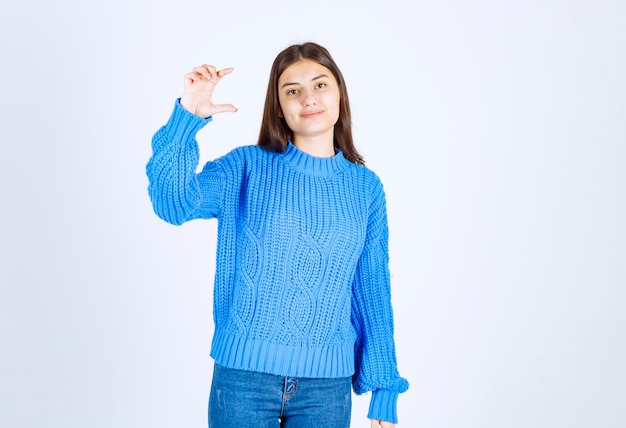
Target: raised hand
(199,86)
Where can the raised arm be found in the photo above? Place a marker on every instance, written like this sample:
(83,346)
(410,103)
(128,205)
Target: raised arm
(174,187)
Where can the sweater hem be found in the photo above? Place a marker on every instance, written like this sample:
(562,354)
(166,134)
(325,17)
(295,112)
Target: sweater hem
(242,353)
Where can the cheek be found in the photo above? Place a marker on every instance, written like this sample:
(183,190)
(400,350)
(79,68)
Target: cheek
(286,113)
(336,107)
(280,108)
(334,101)
(285,107)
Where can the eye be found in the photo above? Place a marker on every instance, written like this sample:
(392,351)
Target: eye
(321,85)
(292,92)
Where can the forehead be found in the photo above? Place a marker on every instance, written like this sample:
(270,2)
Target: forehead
(303,71)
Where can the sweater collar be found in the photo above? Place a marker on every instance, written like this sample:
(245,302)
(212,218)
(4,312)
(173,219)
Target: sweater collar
(313,165)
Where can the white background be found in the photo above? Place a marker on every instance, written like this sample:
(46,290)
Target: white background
(497,127)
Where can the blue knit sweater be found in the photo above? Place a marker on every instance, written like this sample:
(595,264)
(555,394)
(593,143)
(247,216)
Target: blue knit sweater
(302,281)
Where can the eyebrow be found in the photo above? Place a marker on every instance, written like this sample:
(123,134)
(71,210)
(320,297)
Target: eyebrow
(295,83)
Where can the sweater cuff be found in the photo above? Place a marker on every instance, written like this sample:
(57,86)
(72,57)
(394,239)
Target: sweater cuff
(183,123)
(383,405)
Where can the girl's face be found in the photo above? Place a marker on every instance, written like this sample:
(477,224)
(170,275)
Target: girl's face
(309,100)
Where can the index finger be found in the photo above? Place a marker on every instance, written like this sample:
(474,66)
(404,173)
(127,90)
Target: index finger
(224,71)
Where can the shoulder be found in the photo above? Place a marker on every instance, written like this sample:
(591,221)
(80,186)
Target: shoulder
(241,151)
(250,152)
(243,155)
(369,180)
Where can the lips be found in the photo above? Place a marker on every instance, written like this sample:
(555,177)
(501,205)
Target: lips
(311,114)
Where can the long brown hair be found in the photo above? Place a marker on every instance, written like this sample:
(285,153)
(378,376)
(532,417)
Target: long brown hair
(275,133)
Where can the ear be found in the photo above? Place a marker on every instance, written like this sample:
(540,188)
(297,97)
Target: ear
(280,113)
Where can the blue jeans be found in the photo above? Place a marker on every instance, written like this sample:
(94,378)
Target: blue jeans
(242,399)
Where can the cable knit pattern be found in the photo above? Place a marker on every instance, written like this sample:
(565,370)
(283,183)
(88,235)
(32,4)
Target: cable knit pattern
(302,281)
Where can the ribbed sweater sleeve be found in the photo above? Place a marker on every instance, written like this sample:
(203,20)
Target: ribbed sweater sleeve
(372,317)
(174,187)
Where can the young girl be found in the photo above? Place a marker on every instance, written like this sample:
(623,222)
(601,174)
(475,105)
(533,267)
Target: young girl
(302,304)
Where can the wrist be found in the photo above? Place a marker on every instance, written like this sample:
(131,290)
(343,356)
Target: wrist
(383,405)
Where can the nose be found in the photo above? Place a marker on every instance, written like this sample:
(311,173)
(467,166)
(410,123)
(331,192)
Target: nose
(309,98)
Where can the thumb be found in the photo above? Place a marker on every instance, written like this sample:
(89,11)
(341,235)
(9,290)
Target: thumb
(223,108)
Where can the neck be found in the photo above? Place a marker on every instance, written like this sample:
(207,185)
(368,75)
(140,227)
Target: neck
(320,146)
